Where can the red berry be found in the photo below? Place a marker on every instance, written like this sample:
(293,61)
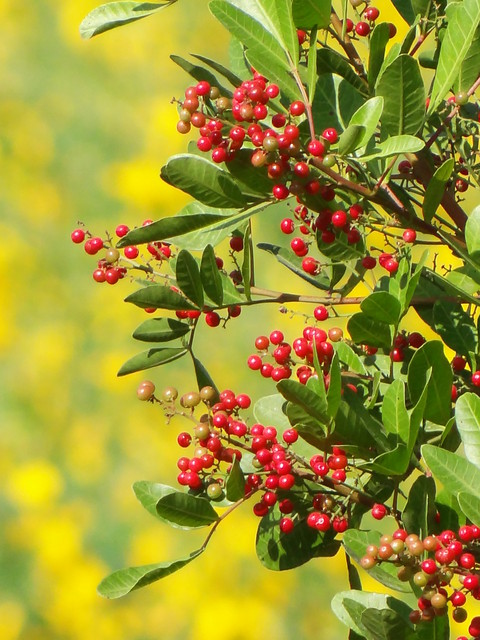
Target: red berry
(339,219)
(316,148)
(290,436)
(397,354)
(429,566)
(299,247)
(331,135)
(471,581)
(409,235)
(362,28)
(392,31)
(301,169)
(391,265)
(272,90)
(476,378)
(369,262)
(219,155)
(276,337)
(99,275)
(212,319)
(131,252)
(184,439)
(416,340)
(112,276)
(280,191)
(355,211)
(379,511)
(202,88)
(297,108)
(461,185)
(474,628)
(93,245)
(236,243)
(320,313)
(371,13)
(287,226)
(459,363)
(310,265)
(322,522)
(301,35)
(404,167)
(78,236)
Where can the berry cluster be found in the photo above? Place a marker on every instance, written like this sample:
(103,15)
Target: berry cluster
(445,567)
(275,357)
(302,489)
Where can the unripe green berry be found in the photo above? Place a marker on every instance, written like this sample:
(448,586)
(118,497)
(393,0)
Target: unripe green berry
(461,98)
(169,394)
(202,431)
(207,393)
(190,400)
(112,255)
(145,390)
(214,491)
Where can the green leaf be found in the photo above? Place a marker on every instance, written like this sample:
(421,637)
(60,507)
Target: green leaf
(378,41)
(459,35)
(329,61)
(355,425)
(351,139)
(455,326)
(419,512)
(121,582)
(312,64)
(235,80)
(115,14)
(159,296)
(161,330)
(472,233)
(404,8)
(467,415)
(349,605)
(340,250)
(386,625)
(381,304)
(186,511)
(285,257)
(222,228)
(176,226)
(454,472)
(368,116)
(355,543)
(436,189)
(393,146)
(438,405)
(309,429)
(188,277)
(470,506)
(401,86)
(439,629)
(268,52)
(280,551)
(308,14)
(251,179)
(238,62)
(348,357)
(149,493)
(394,412)
(334,392)
(204,180)
(151,358)
(199,74)
(235,482)
(210,276)
(366,330)
(315,405)
(269,410)
(204,379)
(470,65)
(247,262)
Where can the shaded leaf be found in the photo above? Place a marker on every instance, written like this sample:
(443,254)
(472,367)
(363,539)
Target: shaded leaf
(455,326)
(436,189)
(186,511)
(285,257)
(210,276)
(161,330)
(315,405)
(159,296)
(204,180)
(188,277)
(438,404)
(419,513)
(199,74)
(280,551)
(366,330)
(204,379)
(329,61)
(235,482)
